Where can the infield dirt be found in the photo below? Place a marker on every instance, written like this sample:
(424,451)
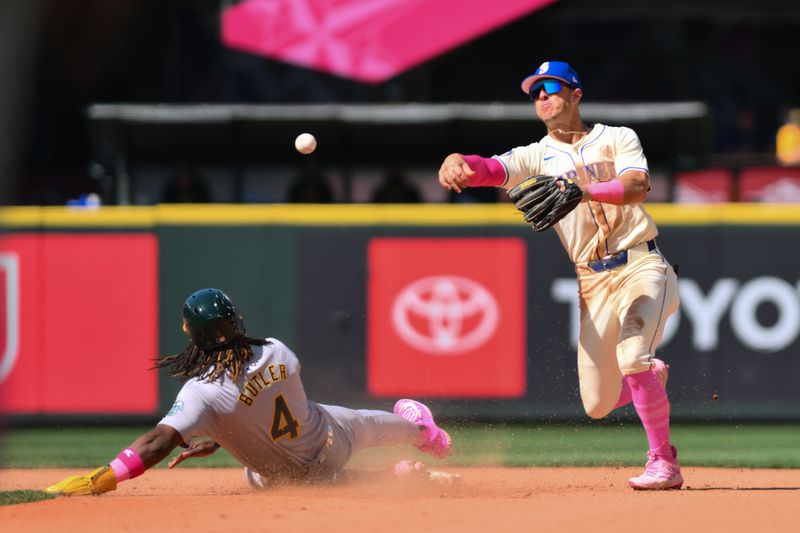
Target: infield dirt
(486,499)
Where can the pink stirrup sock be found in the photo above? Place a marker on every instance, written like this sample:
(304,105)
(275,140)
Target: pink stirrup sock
(625,395)
(608,192)
(651,404)
(489,172)
(127,465)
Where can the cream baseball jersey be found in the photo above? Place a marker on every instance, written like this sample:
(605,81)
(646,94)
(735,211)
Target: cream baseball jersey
(593,230)
(263,418)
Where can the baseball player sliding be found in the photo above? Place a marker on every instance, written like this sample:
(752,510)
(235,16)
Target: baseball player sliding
(589,183)
(245,395)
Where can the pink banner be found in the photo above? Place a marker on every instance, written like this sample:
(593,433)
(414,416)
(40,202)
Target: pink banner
(366,40)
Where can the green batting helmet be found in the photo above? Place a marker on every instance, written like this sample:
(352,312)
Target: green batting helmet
(211,319)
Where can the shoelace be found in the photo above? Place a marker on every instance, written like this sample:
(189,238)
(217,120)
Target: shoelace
(653,468)
(411,413)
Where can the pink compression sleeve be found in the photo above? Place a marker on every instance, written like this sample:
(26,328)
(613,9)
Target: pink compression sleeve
(489,172)
(127,465)
(652,406)
(608,192)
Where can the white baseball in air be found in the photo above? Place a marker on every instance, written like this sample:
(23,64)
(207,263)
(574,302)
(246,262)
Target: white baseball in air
(305,143)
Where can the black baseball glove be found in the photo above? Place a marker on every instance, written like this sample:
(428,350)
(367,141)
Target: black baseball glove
(542,202)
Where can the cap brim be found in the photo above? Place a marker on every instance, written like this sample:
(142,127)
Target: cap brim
(528,82)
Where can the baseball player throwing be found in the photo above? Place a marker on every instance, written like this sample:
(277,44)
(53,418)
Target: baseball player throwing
(246,396)
(589,183)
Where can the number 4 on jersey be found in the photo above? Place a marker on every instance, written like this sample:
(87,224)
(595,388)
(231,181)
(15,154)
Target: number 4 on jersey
(282,412)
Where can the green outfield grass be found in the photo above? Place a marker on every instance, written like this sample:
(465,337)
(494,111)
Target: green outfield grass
(586,444)
(12,497)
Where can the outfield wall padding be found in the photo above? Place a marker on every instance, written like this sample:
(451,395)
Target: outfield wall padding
(461,305)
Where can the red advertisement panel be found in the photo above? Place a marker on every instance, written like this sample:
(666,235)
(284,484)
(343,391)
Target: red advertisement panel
(87,323)
(704,186)
(769,184)
(21,331)
(446,318)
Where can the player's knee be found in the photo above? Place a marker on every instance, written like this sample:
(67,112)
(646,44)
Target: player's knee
(597,409)
(635,364)
(597,413)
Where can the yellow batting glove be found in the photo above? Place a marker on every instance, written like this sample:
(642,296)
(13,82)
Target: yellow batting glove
(96,482)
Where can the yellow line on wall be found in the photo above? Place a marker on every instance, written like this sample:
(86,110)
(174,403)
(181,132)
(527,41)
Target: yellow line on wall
(502,214)
(71,217)
(344,215)
(724,214)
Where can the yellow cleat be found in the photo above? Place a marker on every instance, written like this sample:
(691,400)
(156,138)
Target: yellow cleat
(98,481)
(58,488)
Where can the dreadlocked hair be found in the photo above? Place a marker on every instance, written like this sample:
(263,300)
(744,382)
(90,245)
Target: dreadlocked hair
(194,362)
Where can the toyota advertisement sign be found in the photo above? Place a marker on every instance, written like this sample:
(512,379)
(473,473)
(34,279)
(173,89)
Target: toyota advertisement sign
(486,321)
(739,302)
(451,311)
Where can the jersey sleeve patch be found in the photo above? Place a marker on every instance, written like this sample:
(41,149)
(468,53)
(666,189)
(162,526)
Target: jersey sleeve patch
(176,408)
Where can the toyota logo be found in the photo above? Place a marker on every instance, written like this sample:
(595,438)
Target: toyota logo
(445,315)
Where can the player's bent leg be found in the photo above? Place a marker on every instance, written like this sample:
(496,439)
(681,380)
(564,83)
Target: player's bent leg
(625,396)
(600,386)
(432,438)
(660,369)
(650,297)
(597,411)
(598,371)
(652,405)
(367,428)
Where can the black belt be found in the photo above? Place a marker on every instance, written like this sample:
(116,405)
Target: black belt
(616,260)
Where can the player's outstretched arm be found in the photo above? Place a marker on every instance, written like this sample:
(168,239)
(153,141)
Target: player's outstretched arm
(455,173)
(460,171)
(146,451)
(156,444)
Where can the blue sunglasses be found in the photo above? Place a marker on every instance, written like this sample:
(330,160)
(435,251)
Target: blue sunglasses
(549,86)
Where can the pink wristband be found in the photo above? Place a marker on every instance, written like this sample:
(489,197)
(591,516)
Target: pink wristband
(608,192)
(489,172)
(127,465)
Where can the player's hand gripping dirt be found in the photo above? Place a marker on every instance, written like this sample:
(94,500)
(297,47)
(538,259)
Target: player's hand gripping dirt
(455,173)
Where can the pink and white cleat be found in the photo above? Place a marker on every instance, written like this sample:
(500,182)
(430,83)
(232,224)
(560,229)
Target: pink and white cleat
(414,470)
(435,440)
(410,469)
(660,473)
(661,370)
(254,479)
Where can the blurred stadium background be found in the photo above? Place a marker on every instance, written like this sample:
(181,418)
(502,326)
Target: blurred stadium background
(113,113)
